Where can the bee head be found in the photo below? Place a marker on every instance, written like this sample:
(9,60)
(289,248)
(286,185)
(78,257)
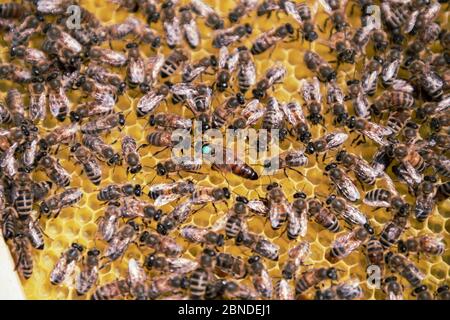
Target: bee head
(272,186)
(300,195)
(161,169)
(44,208)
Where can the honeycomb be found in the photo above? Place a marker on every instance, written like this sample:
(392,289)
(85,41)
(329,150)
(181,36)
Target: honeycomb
(78,224)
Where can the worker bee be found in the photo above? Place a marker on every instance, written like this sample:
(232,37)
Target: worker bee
(410,160)
(426,244)
(189,27)
(108,57)
(40,189)
(340,43)
(231,265)
(16,106)
(116,191)
(349,290)
(161,244)
(398,120)
(391,66)
(375,252)
(349,213)
(104,76)
(213,19)
(36,58)
(23,200)
(249,115)
(386,199)
(175,218)
(398,97)
(15,73)
(120,241)
(130,154)
(428,81)
(227,64)
(201,276)
(170,166)
(359,99)
(65,266)
(260,277)
(323,215)
(273,119)
(235,220)
(342,182)
(294,114)
(176,58)
(34,232)
(226,37)
(171,24)
(242,8)
(59,201)
(227,109)
(135,66)
(372,130)
(204,236)
(347,243)
(362,169)
(102,150)
(274,75)
(168,284)
(119,31)
(55,171)
(21,253)
(393,229)
(169,264)
(425,198)
(278,205)
(152,99)
(10,223)
(8,162)
(118,289)
(371,73)
(287,160)
(88,276)
(59,135)
(258,244)
(270,38)
(168,192)
(310,91)
(406,268)
(313,277)
(104,124)
(38,101)
(89,163)
(327,142)
(169,121)
(319,66)
(235,290)
(297,256)
(108,223)
(336,14)
(192,71)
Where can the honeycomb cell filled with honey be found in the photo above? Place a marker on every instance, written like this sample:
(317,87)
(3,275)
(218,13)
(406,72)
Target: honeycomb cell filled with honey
(79,223)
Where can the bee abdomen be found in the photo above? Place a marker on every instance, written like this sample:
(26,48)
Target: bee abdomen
(24,202)
(198,282)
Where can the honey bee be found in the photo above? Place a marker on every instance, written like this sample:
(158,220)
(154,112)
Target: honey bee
(192,71)
(104,76)
(393,229)
(121,240)
(189,27)
(36,58)
(170,166)
(310,91)
(8,163)
(294,115)
(270,38)
(167,283)
(235,220)
(88,276)
(41,189)
(16,106)
(225,160)
(23,201)
(260,277)
(201,276)
(168,192)
(398,97)
(386,199)
(362,169)
(391,66)
(175,218)
(428,81)
(323,215)
(57,202)
(130,154)
(121,30)
(152,100)
(258,244)
(426,244)
(392,288)
(34,232)
(296,258)
(273,76)
(89,163)
(342,182)
(15,73)
(117,191)
(371,73)
(349,290)
(249,115)
(406,268)
(212,18)
(349,213)
(204,236)
(340,43)
(235,290)
(105,124)
(372,130)
(227,109)
(375,252)
(411,160)
(313,277)
(161,244)
(108,57)
(227,64)
(175,60)
(347,243)
(443,293)
(171,24)
(137,280)
(287,160)
(279,207)
(319,66)
(425,198)
(327,142)
(60,135)
(231,265)
(55,171)
(58,101)
(102,150)
(38,101)
(65,266)
(171,265)
(21,253)
(242,8)
(226,37)
(169,121)
(10,223)
(336,14)
(108,223)
(116,290)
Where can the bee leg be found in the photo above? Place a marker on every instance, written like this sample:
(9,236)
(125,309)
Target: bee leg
(158,152)
(356,139)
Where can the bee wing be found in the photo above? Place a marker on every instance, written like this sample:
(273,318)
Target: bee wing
(153,66)
(232,60)
(326,6)
(173,31)
(57,102)
(223,57)
(201,8)
(376,135)
(389,183)
(193,233)
(393,296)
(402,85)
(444,104)
(348,189)
(253,112)
(335,139)
(291,10)
(220,223)
(50,6)
(258,207)
(182,265)
(416,176)
(354,216)
(149,102)
(191,33)
(285,291)
(183,89)
(369,80)
(166,198)
(411,21)
(266,246)
(136,68)
(136,275)
(316,95)
(59,268)
(364,169)
(390,71)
